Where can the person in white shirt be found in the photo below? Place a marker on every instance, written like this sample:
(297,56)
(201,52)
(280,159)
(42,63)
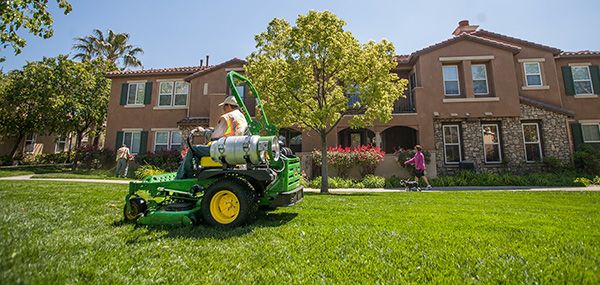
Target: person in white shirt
(122,159)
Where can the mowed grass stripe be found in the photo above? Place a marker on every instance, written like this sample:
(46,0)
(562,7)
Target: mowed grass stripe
(54,232)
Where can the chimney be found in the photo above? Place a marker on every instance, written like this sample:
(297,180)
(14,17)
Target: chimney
(207,60)
(201,62)
(464,27)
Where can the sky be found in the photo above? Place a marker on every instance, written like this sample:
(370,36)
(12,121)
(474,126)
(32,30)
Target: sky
(180,33)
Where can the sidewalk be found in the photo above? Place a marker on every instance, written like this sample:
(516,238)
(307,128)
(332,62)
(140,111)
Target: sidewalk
(344,190)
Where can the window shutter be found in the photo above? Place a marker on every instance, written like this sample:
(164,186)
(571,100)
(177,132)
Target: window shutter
(124,88)
(144,142)
(568,79)
(577,135)
(148,93)
(595,73)
(119,140)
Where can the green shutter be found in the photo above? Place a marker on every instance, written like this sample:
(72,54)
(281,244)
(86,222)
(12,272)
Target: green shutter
(568,79)
(124,88)
(595,73)
(577,135)
(119,140)
(143,142)
(148,93)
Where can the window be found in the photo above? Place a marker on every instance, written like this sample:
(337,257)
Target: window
(240,90)
(533,74)
(533,145)
(480,82)
(451,84)
(167,140)
(172,93)
(412,79)
(452,151)
(132,140)
(591,133)
(491,143)
(61,143)
(582,80)
(135,94)
(30,142)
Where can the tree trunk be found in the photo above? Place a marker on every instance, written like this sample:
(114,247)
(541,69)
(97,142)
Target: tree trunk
(77,145)
(16,146)
(324,170)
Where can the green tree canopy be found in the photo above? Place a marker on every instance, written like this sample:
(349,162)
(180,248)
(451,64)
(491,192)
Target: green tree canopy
(32,15)
(307,72)
(54,95)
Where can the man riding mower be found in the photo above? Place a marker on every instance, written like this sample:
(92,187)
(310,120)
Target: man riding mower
(225,182)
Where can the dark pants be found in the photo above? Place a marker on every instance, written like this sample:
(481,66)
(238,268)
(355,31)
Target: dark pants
(186,169)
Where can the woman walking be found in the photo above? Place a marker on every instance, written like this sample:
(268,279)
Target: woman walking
(419,162)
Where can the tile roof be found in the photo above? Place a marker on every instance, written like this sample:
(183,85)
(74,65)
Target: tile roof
(544,105)
(406,59)
(214,67)
(505,38)
(170,70)
(194,121)
(579,53)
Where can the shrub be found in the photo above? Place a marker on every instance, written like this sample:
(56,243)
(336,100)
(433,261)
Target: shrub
(597,180)
(585,181)
(552,164)
(344,158)
(148,170)
(91,157)
(53,158)
(373,181)
(167,159)
(5,160)
(393,182)
(587,159)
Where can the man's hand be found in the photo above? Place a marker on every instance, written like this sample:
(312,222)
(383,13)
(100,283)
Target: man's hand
(198,130)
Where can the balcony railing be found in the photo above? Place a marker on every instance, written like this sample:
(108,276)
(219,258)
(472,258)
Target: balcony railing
(406,104)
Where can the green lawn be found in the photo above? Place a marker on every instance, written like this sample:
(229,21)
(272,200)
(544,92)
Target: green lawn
(28,170)
(83,174)
(56,233)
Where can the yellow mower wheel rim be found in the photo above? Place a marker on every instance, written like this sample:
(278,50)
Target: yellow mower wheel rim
(224,207)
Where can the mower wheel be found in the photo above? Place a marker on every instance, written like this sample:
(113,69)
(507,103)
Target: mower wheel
(137,207)
(228,203)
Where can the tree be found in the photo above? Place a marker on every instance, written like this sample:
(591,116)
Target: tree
(27,106)
(55,95)
(113,48)
(32,15)
(306,74)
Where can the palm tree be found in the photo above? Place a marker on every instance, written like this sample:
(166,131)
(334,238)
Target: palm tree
(114,48)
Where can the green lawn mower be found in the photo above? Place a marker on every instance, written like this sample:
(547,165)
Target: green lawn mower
(242,174)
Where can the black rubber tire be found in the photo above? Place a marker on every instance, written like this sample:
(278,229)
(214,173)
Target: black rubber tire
(138,208)
(244,194)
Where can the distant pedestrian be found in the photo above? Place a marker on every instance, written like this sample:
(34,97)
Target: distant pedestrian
(419,162)
(122,159)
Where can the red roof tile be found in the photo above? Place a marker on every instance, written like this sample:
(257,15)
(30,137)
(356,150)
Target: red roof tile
(402,58)
(170,70)
(505,38)
(580,53)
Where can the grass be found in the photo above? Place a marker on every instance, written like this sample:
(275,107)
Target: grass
(29,170)
(56,233)
(82,174)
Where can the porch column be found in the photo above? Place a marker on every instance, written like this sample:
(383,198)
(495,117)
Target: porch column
(378,139)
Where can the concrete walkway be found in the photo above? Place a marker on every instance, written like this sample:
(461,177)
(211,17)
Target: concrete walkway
(341,190)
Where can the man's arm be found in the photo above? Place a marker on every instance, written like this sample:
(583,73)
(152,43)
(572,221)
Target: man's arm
(219,130)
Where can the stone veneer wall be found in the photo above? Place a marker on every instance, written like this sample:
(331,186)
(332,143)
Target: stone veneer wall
(553,129)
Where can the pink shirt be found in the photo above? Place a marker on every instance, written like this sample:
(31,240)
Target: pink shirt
(418,160)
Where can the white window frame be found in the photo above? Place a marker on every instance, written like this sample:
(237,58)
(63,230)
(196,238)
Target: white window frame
(131,145)
(497,143)
(538,74)
(457,80)
(169,143)
(452,144)
(589,124)
(583,80)
(59,141)
(538,142)
(487,86)
(31,142)
(172,93)
(135,98)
